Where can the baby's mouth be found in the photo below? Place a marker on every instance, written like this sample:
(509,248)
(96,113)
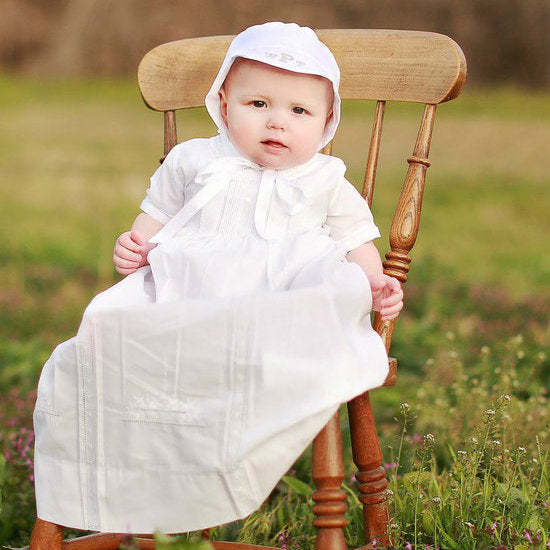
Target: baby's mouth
(274,144)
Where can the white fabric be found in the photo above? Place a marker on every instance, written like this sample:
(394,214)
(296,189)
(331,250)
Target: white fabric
(287,46)
(193,384)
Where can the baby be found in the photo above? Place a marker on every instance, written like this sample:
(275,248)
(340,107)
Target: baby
(243,323)
(275,118)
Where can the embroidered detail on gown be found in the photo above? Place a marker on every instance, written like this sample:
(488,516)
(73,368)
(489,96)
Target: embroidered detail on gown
(195,383)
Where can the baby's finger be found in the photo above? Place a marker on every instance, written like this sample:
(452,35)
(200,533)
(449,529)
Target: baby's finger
(389,313)
(126,241)
(137,238)
(392,299)
(124,271)
(393,284)
(124,263)
(125,254)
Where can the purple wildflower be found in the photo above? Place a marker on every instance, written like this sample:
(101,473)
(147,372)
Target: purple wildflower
(492,528)
(284,539)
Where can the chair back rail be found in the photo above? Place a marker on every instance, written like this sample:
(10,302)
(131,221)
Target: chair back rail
(389,65)
(381,65)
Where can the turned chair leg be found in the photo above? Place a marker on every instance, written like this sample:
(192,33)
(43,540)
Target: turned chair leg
(371,476)
(46,536)
(329,498)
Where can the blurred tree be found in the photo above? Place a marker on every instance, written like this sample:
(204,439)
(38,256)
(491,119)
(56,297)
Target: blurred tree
(504,41)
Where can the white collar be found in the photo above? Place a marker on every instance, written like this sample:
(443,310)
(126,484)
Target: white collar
(225,148)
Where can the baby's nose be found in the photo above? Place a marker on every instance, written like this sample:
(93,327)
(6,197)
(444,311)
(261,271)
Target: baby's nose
(276,122)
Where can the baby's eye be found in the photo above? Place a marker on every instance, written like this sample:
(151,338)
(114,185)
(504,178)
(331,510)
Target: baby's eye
(298,110)
(259,103)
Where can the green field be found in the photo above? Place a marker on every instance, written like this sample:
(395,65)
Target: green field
(76,157)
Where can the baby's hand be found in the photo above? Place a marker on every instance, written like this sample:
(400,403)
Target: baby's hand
(130,252)
(387,296)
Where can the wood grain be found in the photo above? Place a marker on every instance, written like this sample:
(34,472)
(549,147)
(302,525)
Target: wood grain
(330,499)
(387,65)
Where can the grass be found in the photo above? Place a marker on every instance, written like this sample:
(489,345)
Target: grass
(76,156)
(92,145)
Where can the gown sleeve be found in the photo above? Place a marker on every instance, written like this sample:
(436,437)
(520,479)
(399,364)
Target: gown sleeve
(349,217)
(166,193)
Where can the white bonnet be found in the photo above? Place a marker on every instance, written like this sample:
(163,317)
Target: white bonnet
(284,45)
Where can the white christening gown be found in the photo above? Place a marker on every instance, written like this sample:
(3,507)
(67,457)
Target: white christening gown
(193,384)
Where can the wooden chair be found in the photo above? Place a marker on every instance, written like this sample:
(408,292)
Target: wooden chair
(378,65)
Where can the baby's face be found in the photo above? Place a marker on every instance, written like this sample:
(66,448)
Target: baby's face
(275,117)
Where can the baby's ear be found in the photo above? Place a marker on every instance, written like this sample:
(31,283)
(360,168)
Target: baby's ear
(223,104)
(329,117)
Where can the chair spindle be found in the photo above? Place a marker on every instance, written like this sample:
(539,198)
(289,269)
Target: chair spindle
(406,220)
(367,456)
(370,475)
(329,498)
(170,132)
(374,153)
(46,536)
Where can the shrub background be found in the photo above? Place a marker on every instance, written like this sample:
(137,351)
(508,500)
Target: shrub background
(504,40)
